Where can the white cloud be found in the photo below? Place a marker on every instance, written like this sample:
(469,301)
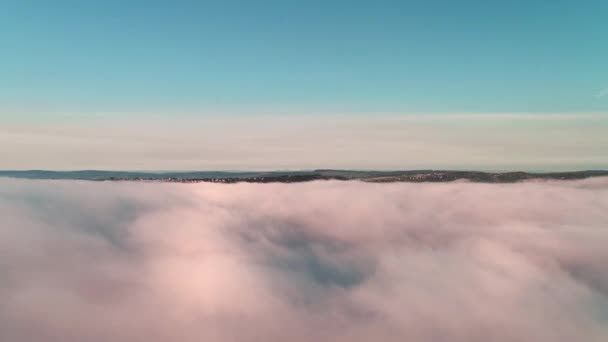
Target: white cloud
(330,261)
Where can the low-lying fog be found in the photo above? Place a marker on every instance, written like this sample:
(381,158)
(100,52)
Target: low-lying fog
(319,261)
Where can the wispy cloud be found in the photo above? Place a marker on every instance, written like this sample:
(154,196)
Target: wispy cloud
(602,93)
(324,261)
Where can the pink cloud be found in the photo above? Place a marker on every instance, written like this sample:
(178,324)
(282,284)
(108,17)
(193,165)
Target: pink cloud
(337,261)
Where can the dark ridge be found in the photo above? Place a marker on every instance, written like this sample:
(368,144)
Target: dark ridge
(303,176)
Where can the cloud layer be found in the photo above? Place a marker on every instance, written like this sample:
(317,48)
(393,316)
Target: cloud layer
(329,261)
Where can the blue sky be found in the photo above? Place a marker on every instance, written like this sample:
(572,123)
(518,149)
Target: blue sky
(304,56)
(303,84)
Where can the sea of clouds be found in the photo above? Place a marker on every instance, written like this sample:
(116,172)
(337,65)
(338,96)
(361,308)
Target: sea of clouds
(318,261)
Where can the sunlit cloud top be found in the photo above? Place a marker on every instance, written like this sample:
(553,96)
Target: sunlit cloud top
(317,261)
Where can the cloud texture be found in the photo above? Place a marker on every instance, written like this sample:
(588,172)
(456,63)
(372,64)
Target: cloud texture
(326,261)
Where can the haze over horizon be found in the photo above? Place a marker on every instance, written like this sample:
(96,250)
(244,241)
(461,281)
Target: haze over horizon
(477,142)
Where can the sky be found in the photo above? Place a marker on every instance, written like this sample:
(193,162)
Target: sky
(510,70)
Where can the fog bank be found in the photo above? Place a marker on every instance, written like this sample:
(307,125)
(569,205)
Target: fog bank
(326,261)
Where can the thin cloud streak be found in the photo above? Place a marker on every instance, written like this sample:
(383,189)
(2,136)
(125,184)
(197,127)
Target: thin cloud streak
(333,261)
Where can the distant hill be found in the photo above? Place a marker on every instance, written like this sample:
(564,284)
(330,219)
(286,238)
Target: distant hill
(301,176)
